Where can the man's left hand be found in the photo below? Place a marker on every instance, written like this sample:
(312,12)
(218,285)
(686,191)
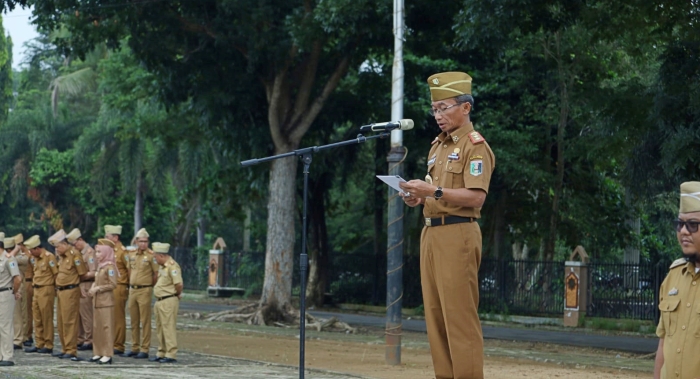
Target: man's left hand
(418,188)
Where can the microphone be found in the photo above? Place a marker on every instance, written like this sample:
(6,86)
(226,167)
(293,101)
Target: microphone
(405,124)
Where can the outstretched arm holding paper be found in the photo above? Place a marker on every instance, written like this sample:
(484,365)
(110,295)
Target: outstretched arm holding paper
(418,190)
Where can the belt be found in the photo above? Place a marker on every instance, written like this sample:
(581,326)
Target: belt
(165,297)
(123,284)
(28,280)
(38,286)
(5,289)
(447,220)
(70,287)
(139,287)
(87,281)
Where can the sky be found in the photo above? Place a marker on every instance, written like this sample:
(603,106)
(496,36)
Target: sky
(17,25)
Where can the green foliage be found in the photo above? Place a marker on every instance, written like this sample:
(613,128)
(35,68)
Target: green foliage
(6,84)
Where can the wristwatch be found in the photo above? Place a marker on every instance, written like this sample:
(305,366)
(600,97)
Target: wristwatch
(438,193)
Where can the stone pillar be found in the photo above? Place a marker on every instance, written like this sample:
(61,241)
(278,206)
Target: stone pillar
(215,270)
(575,287)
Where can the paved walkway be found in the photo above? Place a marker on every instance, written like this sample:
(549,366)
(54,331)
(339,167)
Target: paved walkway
(189,366)
(639,345)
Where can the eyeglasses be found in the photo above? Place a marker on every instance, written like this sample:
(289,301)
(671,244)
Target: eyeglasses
(435,111)
(691,226)
(142,241)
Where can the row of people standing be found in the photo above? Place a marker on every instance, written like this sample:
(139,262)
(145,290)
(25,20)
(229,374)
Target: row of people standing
(98,284)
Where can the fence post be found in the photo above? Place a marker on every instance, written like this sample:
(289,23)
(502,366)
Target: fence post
(575,287)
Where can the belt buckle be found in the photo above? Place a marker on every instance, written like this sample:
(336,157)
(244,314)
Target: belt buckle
(428,221)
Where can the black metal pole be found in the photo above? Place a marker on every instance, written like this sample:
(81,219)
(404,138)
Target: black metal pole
(306,154)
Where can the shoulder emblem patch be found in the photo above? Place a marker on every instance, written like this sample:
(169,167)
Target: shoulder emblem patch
(476,167)
(77,262)
(174,272)
(52,264)
(111,272)
(13,264)
(476,138)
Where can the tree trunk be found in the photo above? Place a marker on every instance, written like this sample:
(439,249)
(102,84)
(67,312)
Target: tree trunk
(277,286)
(138,205)
(201,227)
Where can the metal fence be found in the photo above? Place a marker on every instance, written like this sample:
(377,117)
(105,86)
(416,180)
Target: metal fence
(534,288)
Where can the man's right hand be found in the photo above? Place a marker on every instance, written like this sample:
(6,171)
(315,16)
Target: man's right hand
(411,201)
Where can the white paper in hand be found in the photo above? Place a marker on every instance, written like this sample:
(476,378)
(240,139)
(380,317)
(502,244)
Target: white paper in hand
(393,181)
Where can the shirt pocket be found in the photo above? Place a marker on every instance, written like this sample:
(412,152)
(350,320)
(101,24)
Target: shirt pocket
(669,315)
(454,174)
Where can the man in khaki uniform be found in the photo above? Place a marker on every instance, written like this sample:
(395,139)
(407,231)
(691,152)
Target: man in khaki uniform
(88,255)
(27,291)
(143,272)
(460,164)
(20,306)
(121,293)
(71,270)
(679,325)
(10,281)
(168,291)
(45,270)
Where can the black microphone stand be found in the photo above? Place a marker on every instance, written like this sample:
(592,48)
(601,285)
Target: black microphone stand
(306,154)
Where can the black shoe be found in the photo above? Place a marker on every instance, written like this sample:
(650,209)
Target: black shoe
(44,350)
(7,363)
(130,354)
(67,356)
(94,359)
(29,342)
(58,355)
(17,347)
(154,359)
(31,350)
(141,356)
(117,352)
(84,347)
(76,359)
(109,362)
(167,360)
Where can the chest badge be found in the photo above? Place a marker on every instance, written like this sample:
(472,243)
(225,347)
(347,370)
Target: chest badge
(455,155)
(673,292)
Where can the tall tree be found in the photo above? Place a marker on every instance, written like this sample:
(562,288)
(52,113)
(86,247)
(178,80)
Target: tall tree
(5,73)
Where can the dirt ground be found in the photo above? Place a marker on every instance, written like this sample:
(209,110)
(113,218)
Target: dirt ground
(363,354)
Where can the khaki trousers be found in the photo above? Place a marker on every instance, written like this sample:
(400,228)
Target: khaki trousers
(85,324)
(7,310)
(449,261)
(121,294)
(68,304)
(140,312)
(42,307)
(28,322)
(103,327)
(166,326)
(19,315)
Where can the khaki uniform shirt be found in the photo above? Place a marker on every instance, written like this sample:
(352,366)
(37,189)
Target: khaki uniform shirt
(70,268)
(45,269)
(88,254)
(8,270)
(679,324)
(142,266)
(460,160)
(105,282)
(168,276)
(22,263)
(122,259)
(29,272)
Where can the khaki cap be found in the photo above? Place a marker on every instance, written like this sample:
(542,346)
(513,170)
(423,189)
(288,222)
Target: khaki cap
(57,237)
(690,197)
(163,248)
(73,235)
(106,242)
(32,242)
(19,238)
(113,229)
(142,233)
(446,85)
(9,242)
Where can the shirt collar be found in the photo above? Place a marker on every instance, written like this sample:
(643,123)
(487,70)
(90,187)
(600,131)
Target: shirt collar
(458,134)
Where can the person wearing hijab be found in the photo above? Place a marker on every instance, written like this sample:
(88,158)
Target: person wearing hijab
(102,293)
